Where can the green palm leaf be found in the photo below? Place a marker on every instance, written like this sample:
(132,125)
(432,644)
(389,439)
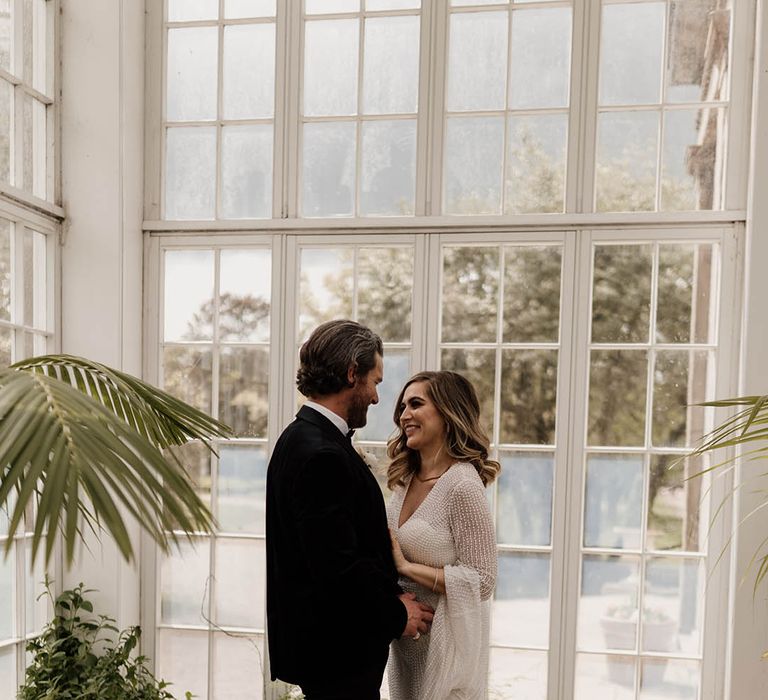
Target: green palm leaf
(84,442)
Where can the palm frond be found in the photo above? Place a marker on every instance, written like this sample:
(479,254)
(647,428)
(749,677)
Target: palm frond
(84,442)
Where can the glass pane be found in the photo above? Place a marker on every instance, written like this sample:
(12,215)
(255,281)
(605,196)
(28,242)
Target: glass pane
(680,380)
(674,520)
(461,3)
(190,173)
(626,160)
(391,74)
(388,168)
(8,682)
(518,674)
(244,390)
(689,52)
(36,602)
(685,272)
(531,294)
(397,366)
(39,149)
(470,294)
(325,290)
(597,676)
(35,279)
(692,159)
(662,679)
(524,498)
(8,594)
(6,131)
(528,396)
(631,47)
(241,488)
(5,270)
(27,143)
(240,583)
(183,10)
(246,171)
(330,67)
(614,501)
(236,9)
(196,460)
(520,614)
(188,295)
(621,293)
(329,169)
(477,61)
(249,71)
(540,58)
(617,395)
(535,177)
(472,172)
(182,660)
(608,604)
(385,290)
(245,289)
(184,584)
(673,607)
(6,34)
(187,375)
(237,664)
(479,367)
(6,346)
(318,7)
(373,5)
(192,73)
(28,42)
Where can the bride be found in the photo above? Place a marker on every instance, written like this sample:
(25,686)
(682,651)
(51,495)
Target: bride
(443,540)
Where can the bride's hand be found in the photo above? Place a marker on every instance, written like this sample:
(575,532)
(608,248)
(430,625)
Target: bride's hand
(397,554)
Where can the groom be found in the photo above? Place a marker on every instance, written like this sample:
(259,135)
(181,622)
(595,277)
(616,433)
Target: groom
(333,603)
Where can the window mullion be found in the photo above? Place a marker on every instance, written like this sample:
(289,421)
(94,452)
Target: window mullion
(292,129)
(586,148)
(438,70)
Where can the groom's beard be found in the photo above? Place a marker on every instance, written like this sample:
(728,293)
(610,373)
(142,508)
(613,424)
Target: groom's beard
(358,411)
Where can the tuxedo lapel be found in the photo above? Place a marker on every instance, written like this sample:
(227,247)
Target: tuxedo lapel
(318,419)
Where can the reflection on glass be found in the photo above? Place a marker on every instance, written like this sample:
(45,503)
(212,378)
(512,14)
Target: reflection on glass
(186,10)
(477,366)
(470,294)
(5,270)
(528,396)
(625,170)
(477,61)
(184,584)
(540,58)
(241,488)
(187,375)
(518,674)
(237,9)
(318,7)
(6,33)
(175,651)
(8,684)
(535,177)
(190,173)
(598,675)
(240,583)
(36,602)
(27,143)
(609,602)
(330,67)
(397,365)
(237,664)
(249,71)
(391,68)
(329,169)
(674,521)
(621,293)
(520,614)
(244,295)
(188,295)
(384,291)
(6,345)
(531,294)
(631,47)
(192,73)
(244,390)
(673,609)
(614,501)
(524,498)
(35,279)
(388,168)
(661,679)
(472,170)
(325,290)
(195,457)
(373,5)
(6,122)
(617,396)
(8,595)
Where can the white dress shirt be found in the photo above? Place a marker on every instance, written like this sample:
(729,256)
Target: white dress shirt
(336,419)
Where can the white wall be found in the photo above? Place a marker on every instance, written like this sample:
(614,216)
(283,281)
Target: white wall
(102,117)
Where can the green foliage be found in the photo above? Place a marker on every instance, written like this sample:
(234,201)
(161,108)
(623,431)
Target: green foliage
(66,666)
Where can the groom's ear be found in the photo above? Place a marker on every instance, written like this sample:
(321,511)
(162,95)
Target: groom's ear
(352,374)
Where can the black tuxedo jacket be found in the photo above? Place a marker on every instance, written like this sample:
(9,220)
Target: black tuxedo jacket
(332,605)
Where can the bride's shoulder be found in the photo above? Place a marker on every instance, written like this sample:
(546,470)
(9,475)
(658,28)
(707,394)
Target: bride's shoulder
(463,471)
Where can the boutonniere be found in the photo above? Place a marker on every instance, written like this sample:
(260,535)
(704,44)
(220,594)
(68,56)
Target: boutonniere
(370,459)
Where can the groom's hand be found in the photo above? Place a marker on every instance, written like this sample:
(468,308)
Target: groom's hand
(419,616)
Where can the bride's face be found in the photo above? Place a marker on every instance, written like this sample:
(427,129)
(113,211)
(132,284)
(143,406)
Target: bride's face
(420,420)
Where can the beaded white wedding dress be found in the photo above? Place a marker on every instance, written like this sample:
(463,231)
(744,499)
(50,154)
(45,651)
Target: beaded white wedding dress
(452,528)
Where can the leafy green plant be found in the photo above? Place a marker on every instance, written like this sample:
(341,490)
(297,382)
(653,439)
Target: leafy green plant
(66,666)
(80,440)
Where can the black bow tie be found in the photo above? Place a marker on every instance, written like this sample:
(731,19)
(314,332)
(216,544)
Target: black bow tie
(350,434)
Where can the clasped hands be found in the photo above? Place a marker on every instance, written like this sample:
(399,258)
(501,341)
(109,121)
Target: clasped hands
(419,616)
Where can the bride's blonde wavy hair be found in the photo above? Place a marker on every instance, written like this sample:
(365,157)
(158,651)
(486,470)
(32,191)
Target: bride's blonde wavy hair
(456,401)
